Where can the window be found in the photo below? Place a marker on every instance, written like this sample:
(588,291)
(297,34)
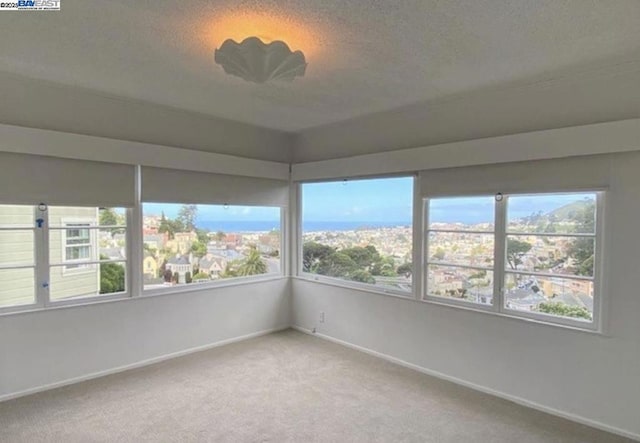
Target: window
(78,244)
(359,231)
(17,256)
(550,255)
(526,255)
(87,251)
(85,255)
(460,249)
(186,244)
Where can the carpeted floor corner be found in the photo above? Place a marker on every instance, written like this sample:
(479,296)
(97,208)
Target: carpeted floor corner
(282,387)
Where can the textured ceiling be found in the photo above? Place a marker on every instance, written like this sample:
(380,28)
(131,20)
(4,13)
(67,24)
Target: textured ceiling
(364,56)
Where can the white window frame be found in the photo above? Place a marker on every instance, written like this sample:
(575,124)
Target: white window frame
(334,281)
(42,266)
(37,303)
(426,262)
(219,283)
(133,262)
(81,224)
(499,271)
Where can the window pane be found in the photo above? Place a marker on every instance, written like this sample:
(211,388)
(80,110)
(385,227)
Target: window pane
(189,244)
(17,216)
(88,280)
(16,248)
(359,230)
(17,287)
(552,255)
(555,296)
(461,248)
(552,213)
(470,285)
(112,244)
(66,246)
(462,213)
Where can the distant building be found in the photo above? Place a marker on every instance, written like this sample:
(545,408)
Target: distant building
(227,254)
(182,241)
(149,266)
(180,264)
(156,241)
(113,253)
(214,266)
(233,240)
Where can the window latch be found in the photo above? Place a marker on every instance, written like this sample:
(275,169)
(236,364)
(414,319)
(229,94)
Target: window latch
(39,222)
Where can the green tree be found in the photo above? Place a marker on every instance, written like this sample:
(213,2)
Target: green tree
(203,236)
(365,257)
(564,310)
(201,276)
(385,267)
(220,236)
(231,270)
(362,276)
(253,264)
(111,277)
(581,249)
(516,249)
(170,226)
(337,265)
(199,249)
(439,254)
(405,269)
(108,217)
(314,254)
(187,277)
(187,217)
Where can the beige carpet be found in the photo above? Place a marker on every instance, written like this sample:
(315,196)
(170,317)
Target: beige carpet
(282,387)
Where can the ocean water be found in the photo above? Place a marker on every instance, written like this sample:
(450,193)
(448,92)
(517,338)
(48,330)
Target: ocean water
(311,226)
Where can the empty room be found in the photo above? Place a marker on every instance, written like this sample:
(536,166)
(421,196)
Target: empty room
(320,221)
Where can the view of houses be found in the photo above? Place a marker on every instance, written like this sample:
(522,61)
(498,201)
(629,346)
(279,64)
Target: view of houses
(548,265)
(178,252)
(549,262)
(374,255)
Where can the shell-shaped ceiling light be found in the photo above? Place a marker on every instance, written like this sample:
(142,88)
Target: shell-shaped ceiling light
(256,61)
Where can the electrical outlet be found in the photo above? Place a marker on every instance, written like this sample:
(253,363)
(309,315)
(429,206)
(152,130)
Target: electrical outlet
(322,317)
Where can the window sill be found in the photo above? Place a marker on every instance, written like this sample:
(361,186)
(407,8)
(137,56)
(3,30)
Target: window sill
(65,304)
(79,303)
(195,287)
(536,321)
(457,306)
(354,285)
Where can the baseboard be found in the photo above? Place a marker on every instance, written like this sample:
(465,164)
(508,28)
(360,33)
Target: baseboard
(138,364)
(476,387)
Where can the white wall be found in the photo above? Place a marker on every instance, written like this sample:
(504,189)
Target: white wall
(594,378)
(45,105)
(39,349)
(607,95)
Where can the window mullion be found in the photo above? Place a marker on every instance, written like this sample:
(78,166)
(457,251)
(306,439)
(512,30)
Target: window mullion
(135,241)
(500,241)
(285,242)
(41,242)
(418,225)
(424,248)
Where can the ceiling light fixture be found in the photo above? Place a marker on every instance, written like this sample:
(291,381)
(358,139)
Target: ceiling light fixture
(258,62)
